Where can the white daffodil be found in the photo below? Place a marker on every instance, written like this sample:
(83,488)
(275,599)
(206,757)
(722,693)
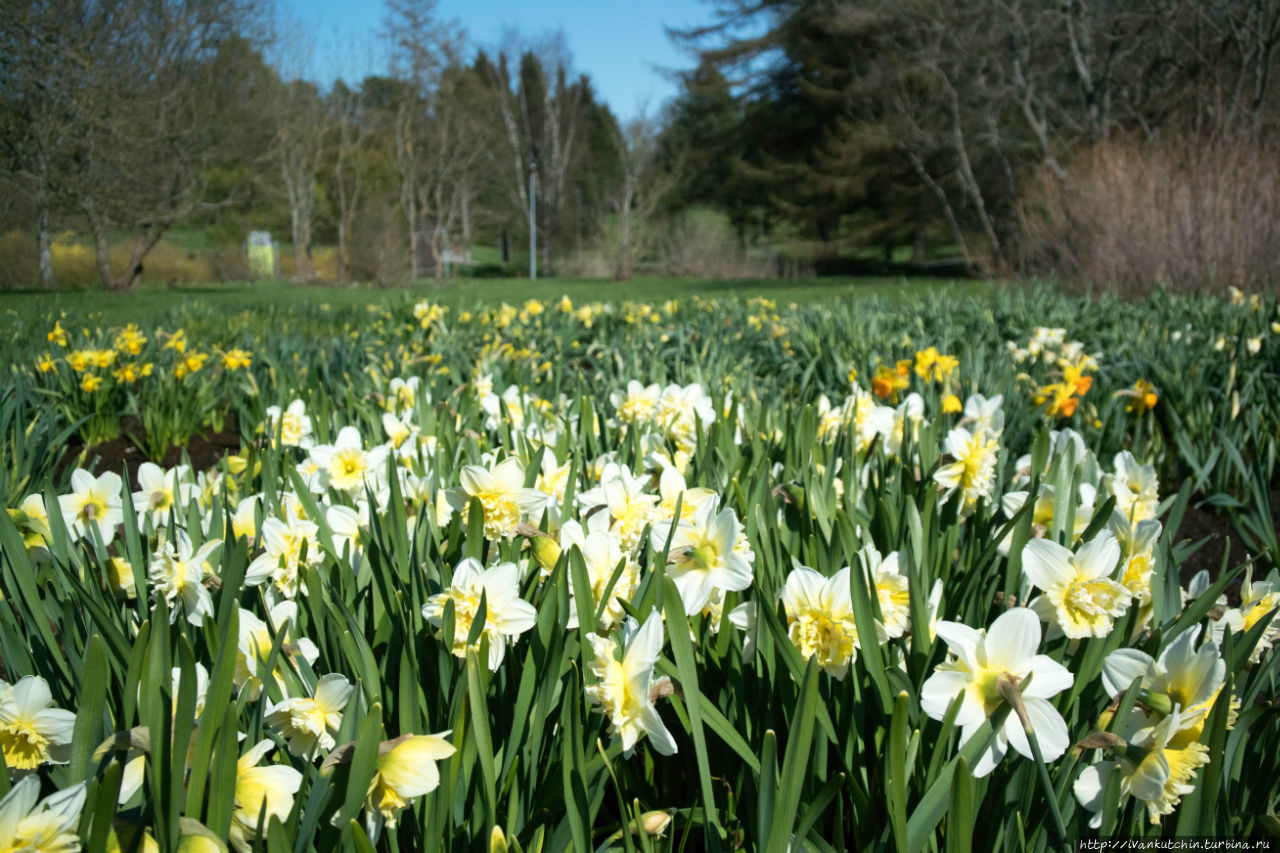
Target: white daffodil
(283,558)
(673,488)
(1139,561)
(985,415)
(820,619)
(602,555)
(345,465)
(1007,649)
(1046,505)
(908,418)
(244,522)
(507,615)
(510,409)
(870,419)
(292,424)
(311,724)
(681,409)
(135,761)
(350,528)
(829,420)
(256,640)
(1258,601)
(1185,676)
(406,769)
(1150,768)
(159,491)
(624,683)
(630,507)
(553,478)
(745,617)
(892,590)
(402,395)
(502,495)
(32,522)
(638,404)
(32,730)
(403,438)
(258,789)
(704,556)
(1080,597)
(1135,487)
(177,574)
(972,473)
(93,499)
(28,823)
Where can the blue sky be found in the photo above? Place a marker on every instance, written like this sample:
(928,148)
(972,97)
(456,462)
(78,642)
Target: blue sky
(621,44)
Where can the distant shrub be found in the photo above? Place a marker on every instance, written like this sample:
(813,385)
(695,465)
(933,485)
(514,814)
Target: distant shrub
(1181,213)
(19,266)
(702,243)
(489,271)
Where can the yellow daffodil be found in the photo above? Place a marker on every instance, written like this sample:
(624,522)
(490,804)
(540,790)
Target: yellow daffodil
(58,335)
(236,359)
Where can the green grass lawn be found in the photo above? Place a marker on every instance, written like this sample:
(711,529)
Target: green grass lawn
(152,304)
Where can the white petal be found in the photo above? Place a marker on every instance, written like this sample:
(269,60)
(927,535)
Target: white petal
(661,739)
(646,646)
(1046,564)
(1049,678)
(962,640)
(1012,640)
(332,691)
(1049,727)
(1098,558)
(1123,667)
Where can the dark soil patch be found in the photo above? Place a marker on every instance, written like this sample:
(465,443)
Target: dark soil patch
(123,456)
(1223,539)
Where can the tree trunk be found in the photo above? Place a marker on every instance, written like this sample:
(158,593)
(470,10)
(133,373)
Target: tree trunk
(466,217)
(299,250)
(101,243)
(44,244)
(342,247)
(943,202)
(970,182)
(411,217)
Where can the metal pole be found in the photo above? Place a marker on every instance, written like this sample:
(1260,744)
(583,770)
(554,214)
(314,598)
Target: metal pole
(533,223)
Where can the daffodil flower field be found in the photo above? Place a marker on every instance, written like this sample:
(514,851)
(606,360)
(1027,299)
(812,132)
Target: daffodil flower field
(703,574)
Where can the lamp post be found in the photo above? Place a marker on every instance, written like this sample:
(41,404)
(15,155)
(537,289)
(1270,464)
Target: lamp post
(533,213)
